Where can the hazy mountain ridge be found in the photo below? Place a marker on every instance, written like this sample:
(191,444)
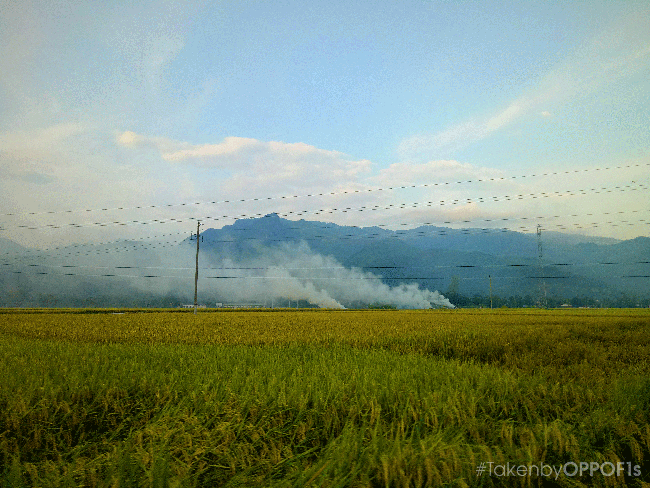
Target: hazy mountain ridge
(391,262)
(572,265)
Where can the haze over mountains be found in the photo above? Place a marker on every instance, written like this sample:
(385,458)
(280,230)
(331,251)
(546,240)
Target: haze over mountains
(275,261)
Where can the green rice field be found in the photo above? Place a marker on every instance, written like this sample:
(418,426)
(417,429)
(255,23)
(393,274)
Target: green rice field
(322,398)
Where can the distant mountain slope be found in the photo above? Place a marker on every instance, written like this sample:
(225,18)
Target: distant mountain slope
(572,265)
(10,248)
(271,259)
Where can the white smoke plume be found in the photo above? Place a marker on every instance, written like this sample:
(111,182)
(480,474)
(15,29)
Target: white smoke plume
(267,276)
(295,272)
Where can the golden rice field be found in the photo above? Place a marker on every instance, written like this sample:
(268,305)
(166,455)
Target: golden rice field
(316,398)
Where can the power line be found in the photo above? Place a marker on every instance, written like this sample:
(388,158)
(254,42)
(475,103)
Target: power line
(311,278)
(303,268)
(118,250)
(398,234)
(70,246)
(87,252)
(318,238)
(345,192)
(464,221)
(451,231)
(399,206)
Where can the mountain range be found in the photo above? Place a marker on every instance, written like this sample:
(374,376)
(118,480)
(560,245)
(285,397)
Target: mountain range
(271,259)
(464,259)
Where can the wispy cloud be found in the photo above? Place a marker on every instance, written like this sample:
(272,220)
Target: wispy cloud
(33,156)
(132,140)
(264,166)
(614,54)
(29,141)
(232,152)
(439,171)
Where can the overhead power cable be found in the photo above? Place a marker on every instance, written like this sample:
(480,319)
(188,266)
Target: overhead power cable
(371,208)
(374,235)
(463,221)
(92,252)
(311,278)
(436,232)
(80,250)
(70,248)
(334,193)
(311,268)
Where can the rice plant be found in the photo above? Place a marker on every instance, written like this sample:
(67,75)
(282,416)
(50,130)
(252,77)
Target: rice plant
(322,398)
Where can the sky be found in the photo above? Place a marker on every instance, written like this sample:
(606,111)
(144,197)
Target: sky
(123,120)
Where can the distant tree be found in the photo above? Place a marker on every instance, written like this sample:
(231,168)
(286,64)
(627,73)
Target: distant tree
(454,286)
(382,306)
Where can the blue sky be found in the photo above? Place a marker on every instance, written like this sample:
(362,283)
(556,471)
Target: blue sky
(162,103)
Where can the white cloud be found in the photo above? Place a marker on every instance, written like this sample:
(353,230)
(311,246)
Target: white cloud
(132,140)
(21,37)
(432,171)
(504,118)
(228,153)
(259,166)
(161,50)
(423,144)
(35,156)
(621,51)
(28,141)
(100,169)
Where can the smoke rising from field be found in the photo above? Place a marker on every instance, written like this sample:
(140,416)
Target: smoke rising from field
(294,271)
(122,274)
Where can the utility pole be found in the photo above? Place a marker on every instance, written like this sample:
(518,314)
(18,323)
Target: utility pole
(540,254)
(490,276)
(196,273)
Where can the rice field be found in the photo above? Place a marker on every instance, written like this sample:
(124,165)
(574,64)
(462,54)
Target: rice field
(315,398)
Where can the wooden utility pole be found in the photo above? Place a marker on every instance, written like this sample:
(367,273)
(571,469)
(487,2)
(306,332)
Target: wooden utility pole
(542,284)
(490,276)
(196,273)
